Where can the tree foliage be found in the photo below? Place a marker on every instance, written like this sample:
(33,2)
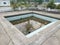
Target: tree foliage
(51,4)
(58,6)
(13,4)
(40,1)
(27,3)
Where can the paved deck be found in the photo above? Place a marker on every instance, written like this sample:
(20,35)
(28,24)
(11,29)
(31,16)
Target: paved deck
(10,35)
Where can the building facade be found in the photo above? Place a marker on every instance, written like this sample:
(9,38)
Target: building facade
(4,2)
(5,5)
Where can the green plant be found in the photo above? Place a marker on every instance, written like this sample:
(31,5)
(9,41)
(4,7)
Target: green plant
(58,6)
(51,4)
(40,1)
(13,5)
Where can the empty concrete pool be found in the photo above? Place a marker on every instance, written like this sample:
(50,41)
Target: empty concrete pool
(29,22)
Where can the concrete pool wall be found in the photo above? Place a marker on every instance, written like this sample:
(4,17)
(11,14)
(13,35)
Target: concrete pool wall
(28,15)
(10,35)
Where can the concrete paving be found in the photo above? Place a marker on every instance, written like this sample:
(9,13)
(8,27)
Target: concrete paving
(10,35)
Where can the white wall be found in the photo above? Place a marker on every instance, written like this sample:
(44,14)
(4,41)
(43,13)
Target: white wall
(5,5)
(2,3)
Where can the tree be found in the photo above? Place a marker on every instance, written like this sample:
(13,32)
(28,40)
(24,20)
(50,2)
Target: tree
(51,4)
(40,1)
(58,6)
(13,4)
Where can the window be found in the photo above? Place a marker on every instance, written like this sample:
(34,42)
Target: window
(4,2)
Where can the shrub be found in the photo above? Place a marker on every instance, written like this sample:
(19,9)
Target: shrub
(13,5)
(51,5)
(58,6)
